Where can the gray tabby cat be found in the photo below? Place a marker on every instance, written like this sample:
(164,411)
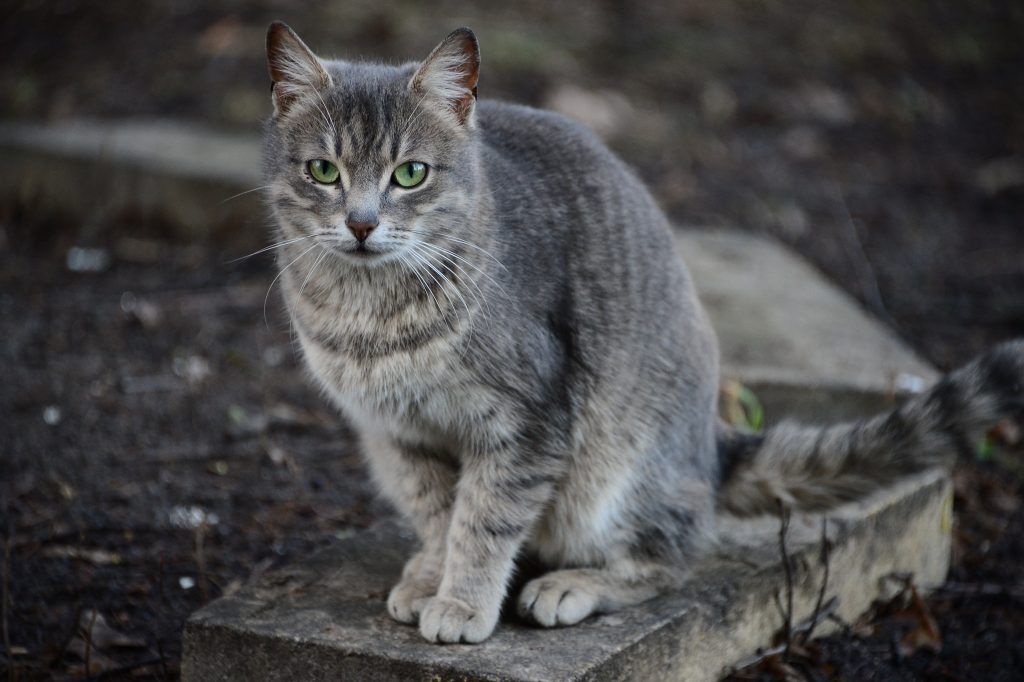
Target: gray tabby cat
(495,302)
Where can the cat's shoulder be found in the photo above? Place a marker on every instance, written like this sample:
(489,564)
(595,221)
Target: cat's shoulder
(504,122)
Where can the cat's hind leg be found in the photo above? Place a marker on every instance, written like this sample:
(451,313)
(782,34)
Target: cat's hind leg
(567,596)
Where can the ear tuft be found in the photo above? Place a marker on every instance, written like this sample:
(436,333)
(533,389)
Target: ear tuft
(294,69)
(449,75)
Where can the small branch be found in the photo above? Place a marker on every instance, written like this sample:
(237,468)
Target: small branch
(163,659)
(784,517)
(826,613)
(806,627)
(869,280)
(825,562)
(981,589)
(88,643)
(6,597)
(757,658)
(120,670)
(163,602)
(201,561)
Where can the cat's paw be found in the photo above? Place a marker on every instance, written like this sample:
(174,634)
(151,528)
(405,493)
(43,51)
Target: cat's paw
(449,620)
(559,598)
(407,599)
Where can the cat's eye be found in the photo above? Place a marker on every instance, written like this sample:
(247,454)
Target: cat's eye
(323,171)
(410,174)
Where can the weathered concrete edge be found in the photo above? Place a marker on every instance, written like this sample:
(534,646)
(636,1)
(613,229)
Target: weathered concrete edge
(729,605)
(904,532)
(300,660)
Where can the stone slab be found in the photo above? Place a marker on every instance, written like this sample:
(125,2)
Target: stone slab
(326,619)
(805,347)
(179,174)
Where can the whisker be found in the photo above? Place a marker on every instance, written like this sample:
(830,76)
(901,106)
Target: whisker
(416,113)
(426,287)
(469,335)
(431,271)
(458,293)
(278,276)
(248,191)
(463,275)
(276,245)
(439,249)
(317,262)
(325,111)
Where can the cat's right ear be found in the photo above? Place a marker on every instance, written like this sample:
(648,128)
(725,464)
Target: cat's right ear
(449,75)
(294,69)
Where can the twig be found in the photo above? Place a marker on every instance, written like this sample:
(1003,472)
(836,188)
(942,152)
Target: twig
(872,292)
(757,658)
(201,561)
(826,613)
(981,589)
(805,627)
(162,659)
(88,642)
(6,601)
(130,667)
(163,602)
(783,531)
(824,580)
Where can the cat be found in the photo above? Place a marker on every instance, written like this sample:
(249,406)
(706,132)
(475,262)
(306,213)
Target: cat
(494,301)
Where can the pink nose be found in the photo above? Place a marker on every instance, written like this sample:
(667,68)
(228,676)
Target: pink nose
(361,229)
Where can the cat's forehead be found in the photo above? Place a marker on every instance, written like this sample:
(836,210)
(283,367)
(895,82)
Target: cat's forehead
(367,113)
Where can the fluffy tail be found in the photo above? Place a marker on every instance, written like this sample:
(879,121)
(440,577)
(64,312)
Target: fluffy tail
(818,467)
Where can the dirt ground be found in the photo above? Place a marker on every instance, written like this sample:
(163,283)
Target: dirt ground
(160,443)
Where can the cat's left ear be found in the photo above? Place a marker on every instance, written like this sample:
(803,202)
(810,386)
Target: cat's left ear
(449,75)
(294,69)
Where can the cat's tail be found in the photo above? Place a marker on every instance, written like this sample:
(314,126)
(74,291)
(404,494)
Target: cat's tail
(818,467)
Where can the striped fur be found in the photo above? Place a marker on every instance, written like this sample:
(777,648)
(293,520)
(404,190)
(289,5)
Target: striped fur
(818,467)
(521,351)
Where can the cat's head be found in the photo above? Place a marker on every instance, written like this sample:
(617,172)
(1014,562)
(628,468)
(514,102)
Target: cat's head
(376,161)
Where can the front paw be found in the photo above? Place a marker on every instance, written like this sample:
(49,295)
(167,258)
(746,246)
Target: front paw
(450,620)
(408,598)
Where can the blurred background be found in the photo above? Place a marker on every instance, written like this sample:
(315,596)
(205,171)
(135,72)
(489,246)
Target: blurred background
(158,441)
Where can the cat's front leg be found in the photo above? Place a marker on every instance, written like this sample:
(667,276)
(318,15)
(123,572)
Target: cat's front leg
(499,497)
(420,581)
(420,481)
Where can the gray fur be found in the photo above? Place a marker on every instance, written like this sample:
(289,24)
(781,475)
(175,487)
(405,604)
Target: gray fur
(522,352)
(815,467)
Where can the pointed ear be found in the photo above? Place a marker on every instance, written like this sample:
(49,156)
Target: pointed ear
(293,67)
(449,75)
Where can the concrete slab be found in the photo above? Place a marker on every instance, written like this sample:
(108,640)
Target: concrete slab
(172,172)
(326,619)
(804,346)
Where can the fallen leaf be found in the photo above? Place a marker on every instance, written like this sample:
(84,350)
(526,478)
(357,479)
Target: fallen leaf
(925,633)
(99,557)
(93,625)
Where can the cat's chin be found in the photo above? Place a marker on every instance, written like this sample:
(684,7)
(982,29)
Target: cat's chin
(362,256)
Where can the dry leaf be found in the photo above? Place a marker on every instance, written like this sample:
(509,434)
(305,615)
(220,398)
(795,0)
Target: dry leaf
(94,556)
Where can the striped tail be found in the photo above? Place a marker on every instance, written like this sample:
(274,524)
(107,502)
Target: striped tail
(818,467)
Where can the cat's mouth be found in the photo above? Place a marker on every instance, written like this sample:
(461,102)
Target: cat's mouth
(360,252)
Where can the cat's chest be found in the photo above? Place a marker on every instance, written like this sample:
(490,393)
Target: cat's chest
(400,380)
(401,372)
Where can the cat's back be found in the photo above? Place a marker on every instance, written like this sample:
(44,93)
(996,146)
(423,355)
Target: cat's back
(547,145)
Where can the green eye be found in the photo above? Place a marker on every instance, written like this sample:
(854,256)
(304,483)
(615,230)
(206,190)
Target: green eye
(323,171)
(410,174)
